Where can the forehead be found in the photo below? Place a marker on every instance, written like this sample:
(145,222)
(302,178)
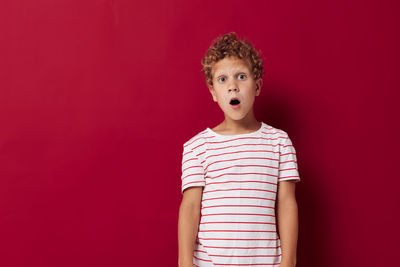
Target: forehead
(230,65)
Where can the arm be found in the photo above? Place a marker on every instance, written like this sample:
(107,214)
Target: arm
(188,222)
(287,222)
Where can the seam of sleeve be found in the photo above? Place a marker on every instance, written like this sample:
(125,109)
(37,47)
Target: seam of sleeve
(284,143)
(297,179)
(193,183)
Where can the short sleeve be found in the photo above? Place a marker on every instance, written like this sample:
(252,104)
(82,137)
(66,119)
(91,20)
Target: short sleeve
(192,170)
(288,169)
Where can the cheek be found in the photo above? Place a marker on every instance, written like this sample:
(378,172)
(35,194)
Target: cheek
(222,101)
(219,95)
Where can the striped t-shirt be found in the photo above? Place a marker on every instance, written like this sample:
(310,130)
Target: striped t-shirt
(240,175)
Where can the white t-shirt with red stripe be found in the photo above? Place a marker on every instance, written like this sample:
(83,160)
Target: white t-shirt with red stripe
(240,175)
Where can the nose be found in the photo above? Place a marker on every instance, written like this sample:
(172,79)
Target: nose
(233,87)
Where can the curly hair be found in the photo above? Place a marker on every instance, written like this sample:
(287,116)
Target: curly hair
(229,45)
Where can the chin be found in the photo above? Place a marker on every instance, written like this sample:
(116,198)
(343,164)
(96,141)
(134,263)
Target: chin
(235,115)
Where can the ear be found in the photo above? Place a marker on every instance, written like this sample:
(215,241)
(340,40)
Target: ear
(259,84)
(212,91)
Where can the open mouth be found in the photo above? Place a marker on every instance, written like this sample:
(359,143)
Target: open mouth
(234,101)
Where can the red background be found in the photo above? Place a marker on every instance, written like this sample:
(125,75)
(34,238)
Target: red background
(97,98)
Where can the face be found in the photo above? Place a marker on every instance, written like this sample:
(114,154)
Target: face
(232,78)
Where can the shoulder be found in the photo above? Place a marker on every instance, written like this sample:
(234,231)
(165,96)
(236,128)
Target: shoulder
(275,133)
(196,142)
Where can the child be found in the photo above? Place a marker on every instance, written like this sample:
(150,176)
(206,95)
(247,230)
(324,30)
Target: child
(235,174)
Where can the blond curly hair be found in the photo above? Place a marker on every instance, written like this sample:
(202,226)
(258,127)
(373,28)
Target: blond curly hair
(229,45)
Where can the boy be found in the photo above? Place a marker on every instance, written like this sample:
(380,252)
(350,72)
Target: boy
(235,174)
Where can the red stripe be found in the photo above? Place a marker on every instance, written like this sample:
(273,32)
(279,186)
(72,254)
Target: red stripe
(190,151)
(256,214)
(242,247)
(284,146)
(192,183)
(183,178)
(215,255)
(283,162)
(234,152)
(226,182)
(245,165)
(236,138)
(243,173)
(265,144)
(219,255)
(247,264)
(290,153)
(272,133)
(248,137)
(201,259)
(199,145)
(251,189)
(239,198)
(189,160)
(291,169)
(219,161)
(250,231)
(237,239)
(239,222)
(238,152)
(246,144)
(216,206)
(196,166)
(239,264)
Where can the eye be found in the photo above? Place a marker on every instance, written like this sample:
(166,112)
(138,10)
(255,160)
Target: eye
(242,76)
(221,79)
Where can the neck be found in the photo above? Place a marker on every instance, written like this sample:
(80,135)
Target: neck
(243,125)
